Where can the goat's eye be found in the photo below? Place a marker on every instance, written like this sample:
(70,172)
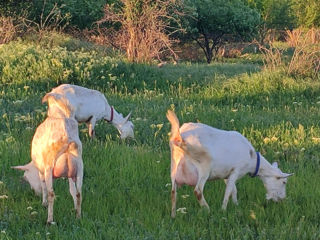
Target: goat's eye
(284,182)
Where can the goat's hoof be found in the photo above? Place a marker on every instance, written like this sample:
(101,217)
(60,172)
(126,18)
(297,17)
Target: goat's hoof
(45,204)
(49,223)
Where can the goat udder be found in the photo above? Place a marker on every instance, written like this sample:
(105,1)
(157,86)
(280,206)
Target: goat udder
(185,175)
(64,171)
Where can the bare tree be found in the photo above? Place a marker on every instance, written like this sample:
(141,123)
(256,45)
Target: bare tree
(142,28)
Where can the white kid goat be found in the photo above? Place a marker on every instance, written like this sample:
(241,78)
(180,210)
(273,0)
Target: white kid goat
(56,152)
(200,153)
(89,106)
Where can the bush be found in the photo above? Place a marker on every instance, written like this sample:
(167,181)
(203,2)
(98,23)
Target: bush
(9,29)
(305,57)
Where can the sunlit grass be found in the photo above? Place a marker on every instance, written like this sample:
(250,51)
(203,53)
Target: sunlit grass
(126,190)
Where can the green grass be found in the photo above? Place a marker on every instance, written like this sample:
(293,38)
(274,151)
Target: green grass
(126,193)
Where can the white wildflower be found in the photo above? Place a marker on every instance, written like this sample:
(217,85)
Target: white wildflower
(182,210)
(17,102)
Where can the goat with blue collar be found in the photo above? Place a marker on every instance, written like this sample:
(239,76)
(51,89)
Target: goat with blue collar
(200,153)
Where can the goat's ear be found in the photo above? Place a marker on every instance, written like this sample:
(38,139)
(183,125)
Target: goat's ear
(127,117)
(285,175)
(22,168)
(26,167)
(275,164)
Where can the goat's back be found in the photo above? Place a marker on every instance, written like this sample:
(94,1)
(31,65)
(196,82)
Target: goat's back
(225,148)
(52,137)
(85,102)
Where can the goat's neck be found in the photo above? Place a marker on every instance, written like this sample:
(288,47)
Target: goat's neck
(266,169)
(117,120)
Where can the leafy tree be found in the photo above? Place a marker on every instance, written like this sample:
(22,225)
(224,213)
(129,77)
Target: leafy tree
(83,13)
(307,12)
(275,14)
(212,22)
(13,8)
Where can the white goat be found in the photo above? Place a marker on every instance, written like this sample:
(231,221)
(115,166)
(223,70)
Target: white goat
(56,152)
(200,153)
(89,106)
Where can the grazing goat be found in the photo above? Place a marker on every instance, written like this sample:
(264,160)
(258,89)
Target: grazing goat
(200,153)
(56,152)
(87,105)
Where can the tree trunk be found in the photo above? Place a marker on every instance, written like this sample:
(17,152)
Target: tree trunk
(207,49)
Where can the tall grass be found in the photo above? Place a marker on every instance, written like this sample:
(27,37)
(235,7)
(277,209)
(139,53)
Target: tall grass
(127,183)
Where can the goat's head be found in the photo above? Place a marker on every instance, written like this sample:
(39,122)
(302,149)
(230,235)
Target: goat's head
(126,128)
(31,175)
(275,183)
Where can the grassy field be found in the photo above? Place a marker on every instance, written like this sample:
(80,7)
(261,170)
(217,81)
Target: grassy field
(126,191)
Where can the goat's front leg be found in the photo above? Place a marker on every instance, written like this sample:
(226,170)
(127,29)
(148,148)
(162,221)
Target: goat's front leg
(230,189)
(44,190)
(233,193)
(198,191)
(91,125)
(173,198)
(51,196)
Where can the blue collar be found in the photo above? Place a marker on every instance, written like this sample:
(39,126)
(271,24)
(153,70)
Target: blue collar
(257,166)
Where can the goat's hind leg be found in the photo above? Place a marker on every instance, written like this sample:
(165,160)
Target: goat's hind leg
(75,182)
(198,191)
(73,191)
(173,199)
(51,196)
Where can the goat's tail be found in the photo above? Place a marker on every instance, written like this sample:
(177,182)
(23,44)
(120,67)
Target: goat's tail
(45,98)
(175,137)
(197,152)
(59,100)
(51,96)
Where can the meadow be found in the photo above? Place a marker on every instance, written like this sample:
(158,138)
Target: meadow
(126,190)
